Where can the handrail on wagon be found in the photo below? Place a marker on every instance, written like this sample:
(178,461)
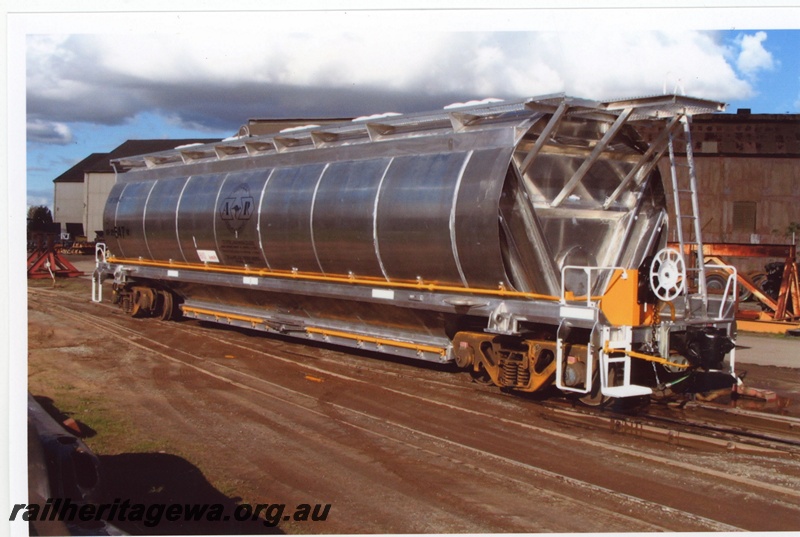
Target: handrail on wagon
(588,271)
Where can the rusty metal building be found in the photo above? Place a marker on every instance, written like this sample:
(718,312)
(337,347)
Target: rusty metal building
(748,170)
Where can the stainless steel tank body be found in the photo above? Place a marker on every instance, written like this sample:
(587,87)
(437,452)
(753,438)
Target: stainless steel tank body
(476,199)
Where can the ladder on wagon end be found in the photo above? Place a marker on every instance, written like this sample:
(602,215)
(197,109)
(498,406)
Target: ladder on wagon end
(687,209)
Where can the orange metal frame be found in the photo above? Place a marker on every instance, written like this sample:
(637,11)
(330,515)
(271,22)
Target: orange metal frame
(790,282)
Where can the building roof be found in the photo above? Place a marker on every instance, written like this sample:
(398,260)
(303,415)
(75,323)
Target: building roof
(75,174)
(101,162)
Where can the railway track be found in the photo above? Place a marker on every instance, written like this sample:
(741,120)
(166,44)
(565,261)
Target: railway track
(743,426)
(702,424)
(433,396)
(709,425)
(720,428)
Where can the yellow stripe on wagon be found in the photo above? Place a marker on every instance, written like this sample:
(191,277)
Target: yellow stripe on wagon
(416,285)
(220,314)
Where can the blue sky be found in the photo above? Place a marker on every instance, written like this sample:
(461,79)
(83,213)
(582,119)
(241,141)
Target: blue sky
(180,75)
(777,89)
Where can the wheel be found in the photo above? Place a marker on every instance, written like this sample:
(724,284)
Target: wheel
(679,360)
(481,377)
(716,282)
(745,295)
(668,275)
(758,277)
(594,399)
(136,303)
(143,301)
(167,306)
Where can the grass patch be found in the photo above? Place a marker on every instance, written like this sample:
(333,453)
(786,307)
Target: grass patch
(109,431)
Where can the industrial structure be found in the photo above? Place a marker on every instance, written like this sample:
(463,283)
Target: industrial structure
(748,169)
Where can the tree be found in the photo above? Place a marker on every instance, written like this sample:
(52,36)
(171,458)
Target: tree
(40,219)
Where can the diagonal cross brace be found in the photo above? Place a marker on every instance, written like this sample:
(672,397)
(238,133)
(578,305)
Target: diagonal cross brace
(543,137)
(596,152)
(657,147)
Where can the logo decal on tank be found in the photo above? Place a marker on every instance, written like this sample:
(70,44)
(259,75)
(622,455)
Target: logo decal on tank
(236,208)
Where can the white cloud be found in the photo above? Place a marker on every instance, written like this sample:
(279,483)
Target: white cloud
(50,132)
(223,79)
(753,57)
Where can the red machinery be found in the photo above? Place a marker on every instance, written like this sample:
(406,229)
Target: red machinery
(784,304)
(45,262)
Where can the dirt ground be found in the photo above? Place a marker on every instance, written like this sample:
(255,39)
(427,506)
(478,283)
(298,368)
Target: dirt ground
(192,413)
